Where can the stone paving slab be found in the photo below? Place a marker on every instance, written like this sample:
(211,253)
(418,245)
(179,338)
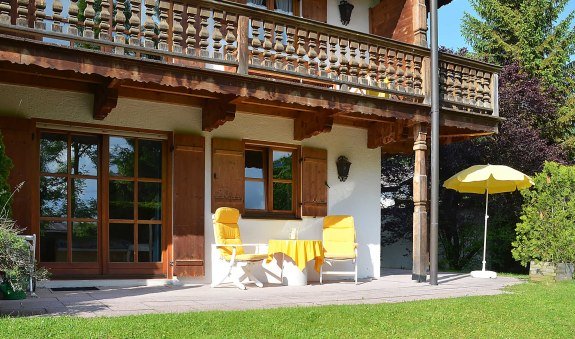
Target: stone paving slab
(395,286)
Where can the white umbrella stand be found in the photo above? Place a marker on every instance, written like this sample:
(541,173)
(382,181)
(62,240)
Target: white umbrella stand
(483,273)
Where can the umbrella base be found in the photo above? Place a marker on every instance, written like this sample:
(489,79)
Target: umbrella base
(484,274)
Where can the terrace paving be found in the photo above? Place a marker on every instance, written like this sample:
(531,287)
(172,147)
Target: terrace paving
(393,286)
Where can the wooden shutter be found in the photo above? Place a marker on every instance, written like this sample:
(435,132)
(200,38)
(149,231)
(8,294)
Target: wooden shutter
(314,182)
(239,1)
(189,166)
(227,174)
(315,10)
(18,135)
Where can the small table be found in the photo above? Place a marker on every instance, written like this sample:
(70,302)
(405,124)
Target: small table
(298,253)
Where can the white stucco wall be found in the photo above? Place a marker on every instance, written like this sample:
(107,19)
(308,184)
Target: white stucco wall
(358,196)
(359,16)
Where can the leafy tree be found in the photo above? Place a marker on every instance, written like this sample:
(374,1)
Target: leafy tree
(519,144)
(546,231)
(528,32)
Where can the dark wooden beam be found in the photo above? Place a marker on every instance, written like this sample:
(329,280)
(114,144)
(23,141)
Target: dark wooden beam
(309,124)
(379,134)
(216,112)
(105,98)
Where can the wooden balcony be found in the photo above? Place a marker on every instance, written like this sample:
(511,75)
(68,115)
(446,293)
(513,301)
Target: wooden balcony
(220,53)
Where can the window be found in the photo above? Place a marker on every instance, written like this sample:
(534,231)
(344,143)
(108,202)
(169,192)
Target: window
(100,194)
(69,197)
(282,6)
(135,200)
(270,180)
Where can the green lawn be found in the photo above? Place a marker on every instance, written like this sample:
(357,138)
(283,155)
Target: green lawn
(530,310)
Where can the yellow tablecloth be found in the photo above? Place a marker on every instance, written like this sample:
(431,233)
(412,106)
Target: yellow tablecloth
(301,251)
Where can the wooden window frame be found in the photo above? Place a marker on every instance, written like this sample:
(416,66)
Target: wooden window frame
(270,4)
(269,212)
(70,219)
(136,179)
(103,268)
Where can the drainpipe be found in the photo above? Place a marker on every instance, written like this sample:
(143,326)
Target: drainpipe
(433,231)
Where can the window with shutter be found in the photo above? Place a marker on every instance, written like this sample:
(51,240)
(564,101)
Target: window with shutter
(314,182)
(188,187)
(271,178)
(264,180)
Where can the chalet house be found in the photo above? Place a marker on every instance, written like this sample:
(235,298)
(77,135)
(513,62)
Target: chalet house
(131,122)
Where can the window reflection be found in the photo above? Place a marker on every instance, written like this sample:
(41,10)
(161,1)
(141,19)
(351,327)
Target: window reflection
(85,198)
(282,196)
(122,156)
(53,241)
(84,242)
(150,201)
(282,165)
(121,199)
(84,150)
(255,195)
(53,197)
(149,159)
(254,164)
(121,242)
(54,153)
(149,243)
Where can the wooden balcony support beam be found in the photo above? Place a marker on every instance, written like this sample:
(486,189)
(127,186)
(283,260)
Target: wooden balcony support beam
(105,98)
(309,124)
(216,112)
(420,250)
(384,133)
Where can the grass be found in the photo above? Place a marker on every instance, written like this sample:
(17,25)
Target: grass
(530,311)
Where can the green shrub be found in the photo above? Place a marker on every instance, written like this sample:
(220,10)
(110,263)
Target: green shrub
(15,261)
(547,228)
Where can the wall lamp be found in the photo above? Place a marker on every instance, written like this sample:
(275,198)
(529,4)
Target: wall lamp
(345,9)
(343,165)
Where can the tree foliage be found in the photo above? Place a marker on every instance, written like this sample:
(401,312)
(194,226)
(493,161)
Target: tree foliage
(527,32)
(521,144)
(547,229)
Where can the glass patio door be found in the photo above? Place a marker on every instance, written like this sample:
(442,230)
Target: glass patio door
(101,204)
(69,202)
(135,172)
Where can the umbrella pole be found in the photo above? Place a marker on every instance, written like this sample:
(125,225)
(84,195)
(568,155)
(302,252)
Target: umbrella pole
(485,231)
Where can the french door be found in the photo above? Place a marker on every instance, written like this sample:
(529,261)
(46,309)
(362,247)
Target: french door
(102,204)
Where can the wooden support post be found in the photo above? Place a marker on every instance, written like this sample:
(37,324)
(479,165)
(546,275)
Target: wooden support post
(105,99)
(420,259)
(243,41)
(309,124)
(216,112)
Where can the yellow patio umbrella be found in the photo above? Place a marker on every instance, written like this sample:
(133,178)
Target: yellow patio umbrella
(487,179)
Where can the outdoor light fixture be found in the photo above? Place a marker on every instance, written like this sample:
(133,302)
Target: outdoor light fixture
(343,166)
(345,9)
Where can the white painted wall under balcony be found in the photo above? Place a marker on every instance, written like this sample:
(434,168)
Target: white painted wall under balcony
(358,196)
(359,17)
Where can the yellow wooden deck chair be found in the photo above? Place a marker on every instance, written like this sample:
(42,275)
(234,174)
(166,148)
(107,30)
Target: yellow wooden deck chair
(231,249)
(339,244)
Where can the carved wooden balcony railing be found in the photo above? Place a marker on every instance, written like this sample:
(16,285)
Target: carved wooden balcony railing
(236,38)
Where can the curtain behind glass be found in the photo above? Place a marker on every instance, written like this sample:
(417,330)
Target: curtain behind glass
(285,6)
(259,3)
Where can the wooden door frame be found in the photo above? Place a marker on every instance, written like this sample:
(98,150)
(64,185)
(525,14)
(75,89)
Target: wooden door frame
(102,267)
